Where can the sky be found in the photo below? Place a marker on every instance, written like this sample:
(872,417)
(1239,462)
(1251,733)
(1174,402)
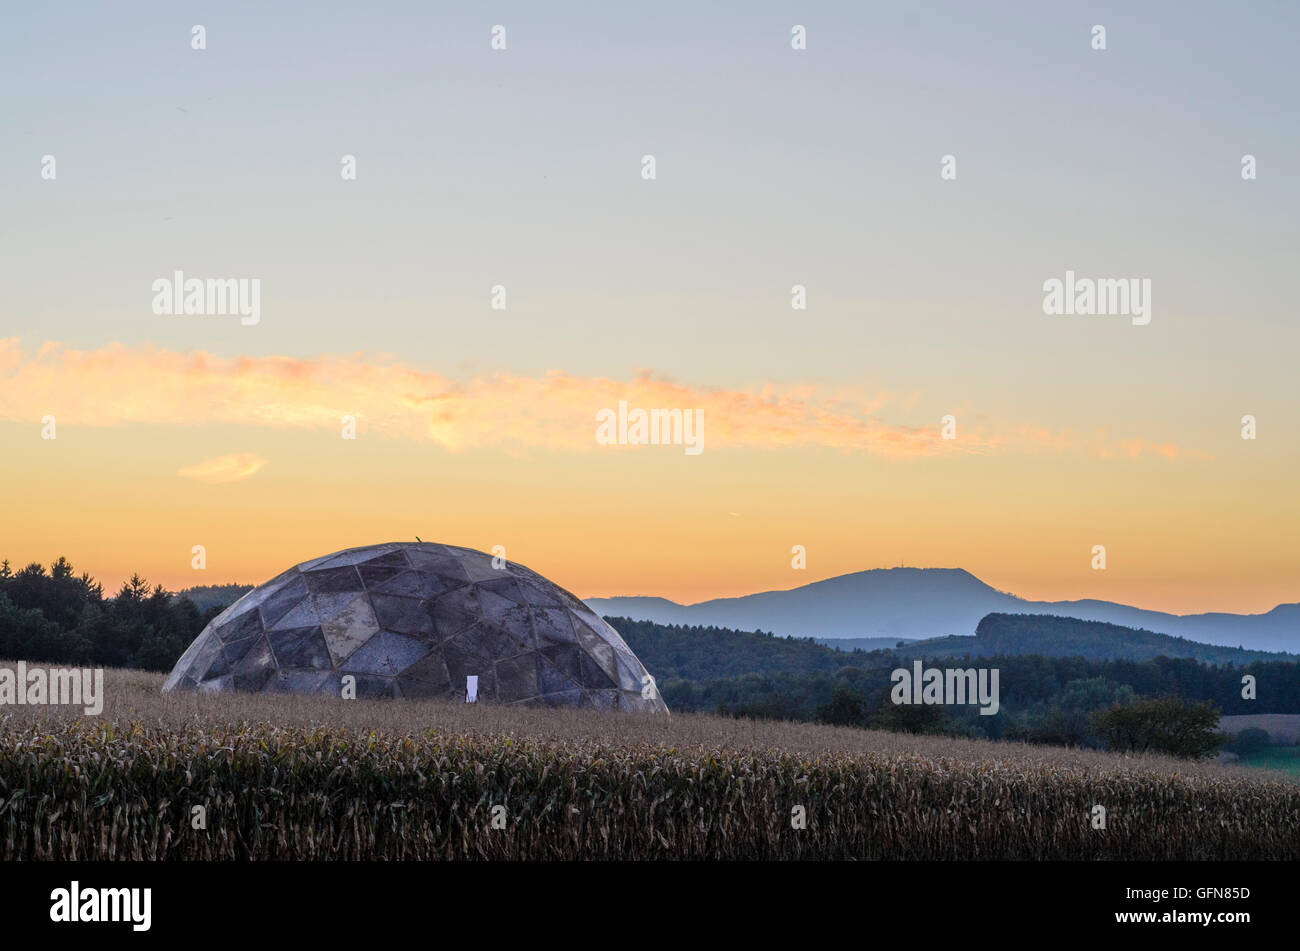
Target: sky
(774,167)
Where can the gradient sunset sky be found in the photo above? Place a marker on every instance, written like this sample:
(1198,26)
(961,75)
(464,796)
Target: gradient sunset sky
(775,167)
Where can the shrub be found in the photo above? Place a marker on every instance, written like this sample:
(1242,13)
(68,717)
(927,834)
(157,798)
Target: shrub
(1250,740)
(1164,725)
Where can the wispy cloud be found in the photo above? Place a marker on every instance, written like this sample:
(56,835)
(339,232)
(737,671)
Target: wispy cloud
(231,468)
(116,384)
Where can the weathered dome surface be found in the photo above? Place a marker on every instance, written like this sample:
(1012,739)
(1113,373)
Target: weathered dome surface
(414,620)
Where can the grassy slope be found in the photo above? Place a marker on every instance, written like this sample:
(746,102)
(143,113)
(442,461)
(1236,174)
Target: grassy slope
(1283,758)
(1281,727)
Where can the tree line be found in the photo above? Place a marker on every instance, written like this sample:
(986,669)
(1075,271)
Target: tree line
(56,616)
(1163,703)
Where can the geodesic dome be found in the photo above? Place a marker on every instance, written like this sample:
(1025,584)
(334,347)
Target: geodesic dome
(414,619)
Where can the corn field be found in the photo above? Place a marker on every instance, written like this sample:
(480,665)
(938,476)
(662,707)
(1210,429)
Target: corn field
(93,789)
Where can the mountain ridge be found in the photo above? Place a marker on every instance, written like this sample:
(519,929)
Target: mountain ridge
(938,602)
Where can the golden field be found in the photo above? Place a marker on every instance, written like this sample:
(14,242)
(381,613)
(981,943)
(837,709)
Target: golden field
(291,777)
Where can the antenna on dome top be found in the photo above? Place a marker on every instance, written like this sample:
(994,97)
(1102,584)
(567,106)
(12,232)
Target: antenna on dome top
(417,538)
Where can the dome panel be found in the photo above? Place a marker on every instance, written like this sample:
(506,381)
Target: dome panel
(300,647)
(427,677)
(328,580)
(414,620)
(351,627)
(386,653)
(239,627)
(403,615)
(284,600)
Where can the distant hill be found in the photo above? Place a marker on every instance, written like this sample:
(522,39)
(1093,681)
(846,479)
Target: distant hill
(936,602)
(863,643)
(1044,663)
(215,595)
(711,653)
(1046,636)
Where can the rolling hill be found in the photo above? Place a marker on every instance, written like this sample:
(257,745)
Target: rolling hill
(1051,636)
(937,602)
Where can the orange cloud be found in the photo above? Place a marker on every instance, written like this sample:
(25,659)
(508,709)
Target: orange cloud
(115,385)
(1137,447)
(229,468)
